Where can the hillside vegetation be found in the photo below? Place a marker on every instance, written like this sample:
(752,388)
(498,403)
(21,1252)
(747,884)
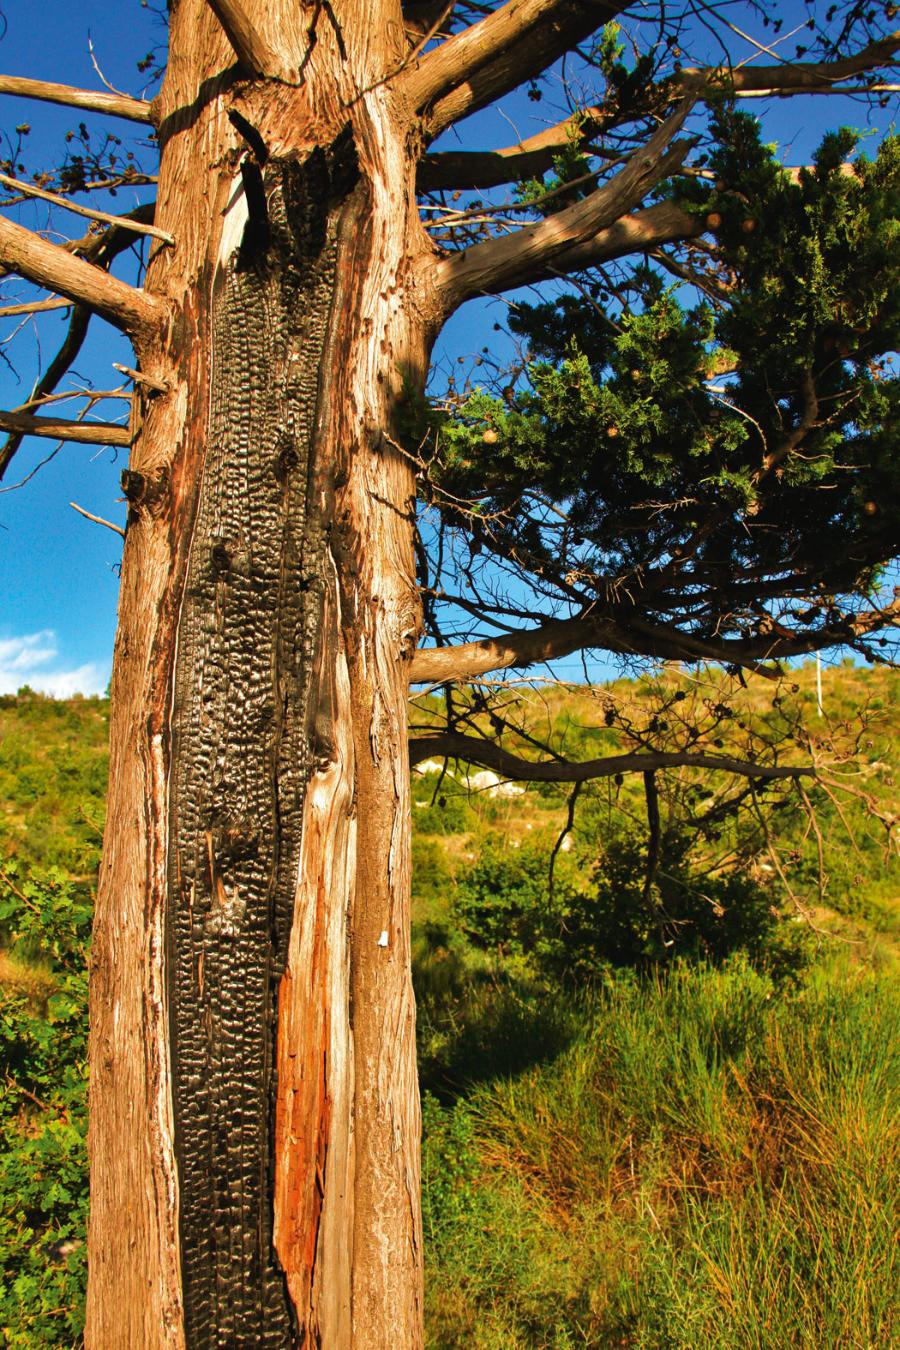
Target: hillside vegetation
(659,1096)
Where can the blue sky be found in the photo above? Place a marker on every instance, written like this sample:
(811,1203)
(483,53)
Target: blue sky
(58,572)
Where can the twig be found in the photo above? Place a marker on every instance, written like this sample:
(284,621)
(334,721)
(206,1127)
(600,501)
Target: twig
(567,829)
(98,520)
(30,190)
(36,307)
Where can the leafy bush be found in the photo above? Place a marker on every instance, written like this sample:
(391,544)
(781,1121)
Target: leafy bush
(571,932)
(43,1112)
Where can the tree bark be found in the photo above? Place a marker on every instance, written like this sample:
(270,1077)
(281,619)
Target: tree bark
(251,994)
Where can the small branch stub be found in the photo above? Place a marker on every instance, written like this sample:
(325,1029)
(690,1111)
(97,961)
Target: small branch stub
(143,494)
(98,520)
(139,377)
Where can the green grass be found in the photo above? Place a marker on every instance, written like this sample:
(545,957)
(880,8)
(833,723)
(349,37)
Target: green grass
(710,1163)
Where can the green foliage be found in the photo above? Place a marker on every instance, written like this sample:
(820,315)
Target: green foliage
(43,1116)
(571,932)
(647,1160)
(53,767)
(786,474)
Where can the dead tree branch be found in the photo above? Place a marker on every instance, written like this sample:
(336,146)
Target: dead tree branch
(499,52)
(249,46)
(472,750)
(124,222)
(89,433)
(46,264)
(515,259)
(89,100)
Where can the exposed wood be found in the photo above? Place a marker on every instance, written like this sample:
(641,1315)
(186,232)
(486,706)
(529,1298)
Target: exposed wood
(136,226)
(872,87)
(88,100)
(499,52)
(628,636)
(49,265)
(138,376)
(249,46)
(210,735)
(468,660)
(514,259)
(60,429)
(492,756)
(640,232)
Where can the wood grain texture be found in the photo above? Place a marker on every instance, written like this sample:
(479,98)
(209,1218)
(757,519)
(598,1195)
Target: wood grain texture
(508,46)
(253,1049)
(63,429)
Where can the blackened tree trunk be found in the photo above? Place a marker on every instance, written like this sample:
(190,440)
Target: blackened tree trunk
(250,990)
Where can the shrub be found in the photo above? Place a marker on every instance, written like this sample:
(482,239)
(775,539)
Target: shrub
(43,1116)
(572,932)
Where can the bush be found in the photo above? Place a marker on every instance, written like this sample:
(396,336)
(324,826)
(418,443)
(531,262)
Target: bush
(572,933)
(43,1116)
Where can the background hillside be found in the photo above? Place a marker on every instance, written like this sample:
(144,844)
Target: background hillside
(657,1113)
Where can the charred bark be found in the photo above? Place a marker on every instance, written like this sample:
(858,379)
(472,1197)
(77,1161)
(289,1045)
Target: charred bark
(245,726)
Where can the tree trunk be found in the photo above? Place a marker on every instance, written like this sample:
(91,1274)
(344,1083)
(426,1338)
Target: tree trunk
(254,1111)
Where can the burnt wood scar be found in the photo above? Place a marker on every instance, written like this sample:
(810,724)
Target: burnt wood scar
(243,735)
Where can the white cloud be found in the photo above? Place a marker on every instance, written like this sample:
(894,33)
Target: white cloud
(24,653)
(25,660)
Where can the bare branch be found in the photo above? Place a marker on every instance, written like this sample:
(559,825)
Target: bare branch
(468,660)
(68,352)
(472,750)
(530,646)
(89,100)
(99,249)
(633,636)
(665,223)
(88,433)
(250,47)
(98,520)
(35,307)
(500,51)
(125,223)
(515,259)
(49,265)
(802,77)
(511,163)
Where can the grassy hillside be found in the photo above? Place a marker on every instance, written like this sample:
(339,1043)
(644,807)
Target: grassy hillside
(655,1115)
